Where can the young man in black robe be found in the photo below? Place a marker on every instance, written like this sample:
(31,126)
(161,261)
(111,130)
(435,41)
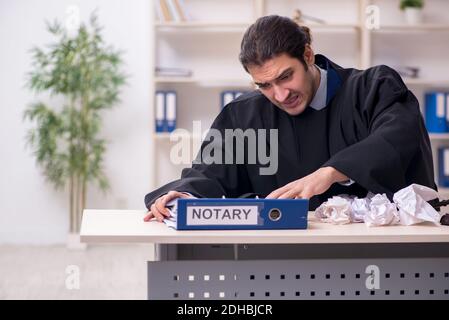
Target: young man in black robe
(339,130)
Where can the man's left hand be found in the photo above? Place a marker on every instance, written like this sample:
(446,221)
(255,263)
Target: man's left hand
(315,183)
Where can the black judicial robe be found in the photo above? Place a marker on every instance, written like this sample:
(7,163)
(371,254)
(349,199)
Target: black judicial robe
(371,130)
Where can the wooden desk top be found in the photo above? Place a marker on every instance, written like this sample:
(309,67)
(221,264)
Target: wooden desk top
(128,226)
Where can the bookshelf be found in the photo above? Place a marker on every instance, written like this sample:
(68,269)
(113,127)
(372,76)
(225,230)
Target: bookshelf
(208,43)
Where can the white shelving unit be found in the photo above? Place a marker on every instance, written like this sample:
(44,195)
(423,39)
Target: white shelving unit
(206,82)
(201,26)
(209,44)
(427,27)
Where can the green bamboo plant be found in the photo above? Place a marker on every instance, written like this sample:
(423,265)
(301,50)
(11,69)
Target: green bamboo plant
(65,137)
(411,4)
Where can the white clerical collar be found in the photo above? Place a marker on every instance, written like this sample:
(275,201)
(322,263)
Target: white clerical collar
(319,100)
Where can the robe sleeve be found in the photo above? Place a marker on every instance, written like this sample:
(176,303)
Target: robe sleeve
(396,149)
(210,180)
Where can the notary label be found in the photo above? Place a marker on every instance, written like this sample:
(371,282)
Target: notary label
(222,215)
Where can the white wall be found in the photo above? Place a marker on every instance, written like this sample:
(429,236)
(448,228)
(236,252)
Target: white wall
(30,210)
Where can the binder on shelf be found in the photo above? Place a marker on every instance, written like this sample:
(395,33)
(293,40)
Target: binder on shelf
(239,214)
(226,97)
(180,7)
(443,167)
(170,111)
(447,111)
(163,11)
(436,113)
(158,11)
(229,96)
(238,93)
(183,12)
(173,10)
(160,111)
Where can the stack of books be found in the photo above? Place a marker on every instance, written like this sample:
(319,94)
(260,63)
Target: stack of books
(172,72)
(171,11)
(408,71)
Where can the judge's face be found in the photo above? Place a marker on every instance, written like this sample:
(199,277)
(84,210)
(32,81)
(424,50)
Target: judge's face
(285,81)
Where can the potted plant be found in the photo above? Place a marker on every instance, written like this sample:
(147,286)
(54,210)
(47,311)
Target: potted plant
(84,74)
(412,10)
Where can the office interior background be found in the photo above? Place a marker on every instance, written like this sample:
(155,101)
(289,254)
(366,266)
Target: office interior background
(194,49)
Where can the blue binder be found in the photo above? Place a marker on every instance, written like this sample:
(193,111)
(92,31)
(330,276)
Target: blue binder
(238,93)
(436,112)
(170,111)
(226,97)
(242,214)
(443,167)
(159,110)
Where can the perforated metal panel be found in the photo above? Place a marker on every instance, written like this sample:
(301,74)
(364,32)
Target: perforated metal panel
(406,278)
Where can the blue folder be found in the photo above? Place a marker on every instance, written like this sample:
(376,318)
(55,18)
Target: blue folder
(242,214)
(443,167)
(159,113)
(436,112)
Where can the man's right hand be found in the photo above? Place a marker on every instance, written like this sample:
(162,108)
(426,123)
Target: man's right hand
(158,209)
